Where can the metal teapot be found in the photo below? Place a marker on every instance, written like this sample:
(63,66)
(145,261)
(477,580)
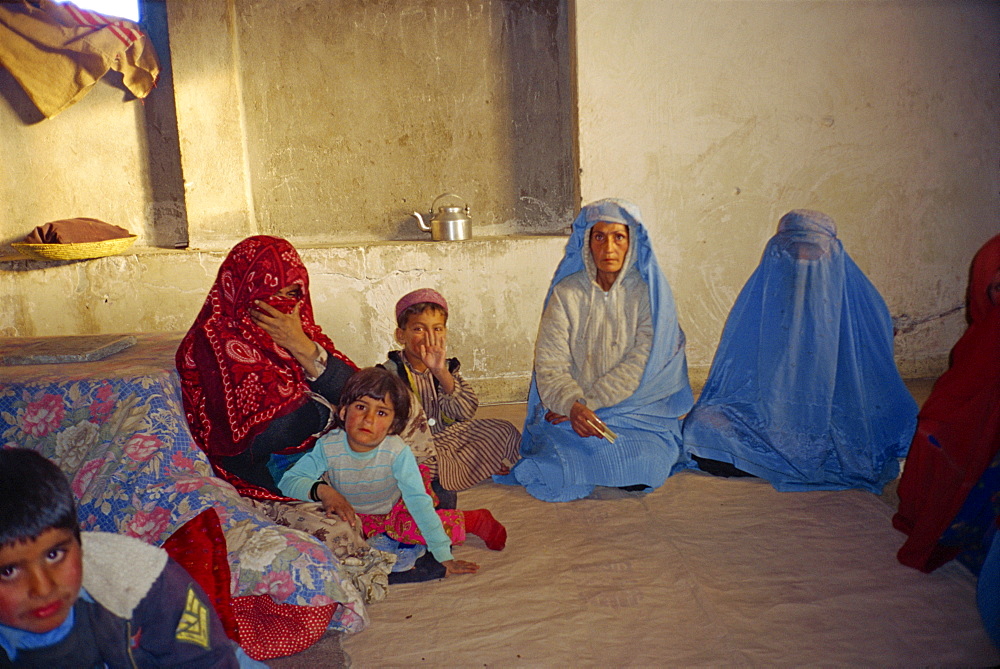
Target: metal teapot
(449,224)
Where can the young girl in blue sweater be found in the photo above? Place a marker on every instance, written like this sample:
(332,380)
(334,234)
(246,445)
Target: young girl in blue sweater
(365,473)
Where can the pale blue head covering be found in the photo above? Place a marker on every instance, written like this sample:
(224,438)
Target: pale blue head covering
(664,389)
(648,447)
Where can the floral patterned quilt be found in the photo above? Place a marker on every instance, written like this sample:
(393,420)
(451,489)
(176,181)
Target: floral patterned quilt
(117,428)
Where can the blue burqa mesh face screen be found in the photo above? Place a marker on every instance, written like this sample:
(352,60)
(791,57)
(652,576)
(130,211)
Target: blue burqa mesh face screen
(803,390)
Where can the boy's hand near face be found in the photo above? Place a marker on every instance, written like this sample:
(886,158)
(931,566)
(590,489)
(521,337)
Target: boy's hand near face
(433,353)
(335,504)
(432,350)
(452,567)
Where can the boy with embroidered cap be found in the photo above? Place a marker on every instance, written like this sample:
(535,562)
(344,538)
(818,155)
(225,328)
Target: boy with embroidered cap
(92,599)
(468,450)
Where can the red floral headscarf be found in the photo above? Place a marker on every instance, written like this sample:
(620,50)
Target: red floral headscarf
(234,378)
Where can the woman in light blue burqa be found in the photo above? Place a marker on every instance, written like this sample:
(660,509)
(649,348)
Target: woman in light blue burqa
(803,390)
(610,375)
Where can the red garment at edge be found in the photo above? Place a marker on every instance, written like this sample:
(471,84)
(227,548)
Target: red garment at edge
(958,430)
(234,379)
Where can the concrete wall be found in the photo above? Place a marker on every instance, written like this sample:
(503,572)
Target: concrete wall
(340,118)
(495,288)
(717,117)
(90,160)
(326,122)
(318,120)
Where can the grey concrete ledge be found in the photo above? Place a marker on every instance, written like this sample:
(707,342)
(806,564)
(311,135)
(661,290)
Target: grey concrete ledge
(13,258)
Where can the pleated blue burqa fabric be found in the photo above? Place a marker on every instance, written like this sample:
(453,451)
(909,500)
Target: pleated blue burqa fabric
(804,390)
(557,464)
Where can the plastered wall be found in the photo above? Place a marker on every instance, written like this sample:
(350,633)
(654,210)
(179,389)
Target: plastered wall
(326,122)
(715,117)
(340,118)
(495,289)
(88,161)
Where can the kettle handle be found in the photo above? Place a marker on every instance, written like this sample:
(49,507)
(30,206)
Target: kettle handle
(420,221)
(449,195)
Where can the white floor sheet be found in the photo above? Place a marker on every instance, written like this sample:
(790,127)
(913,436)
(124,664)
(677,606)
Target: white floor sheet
(702,572)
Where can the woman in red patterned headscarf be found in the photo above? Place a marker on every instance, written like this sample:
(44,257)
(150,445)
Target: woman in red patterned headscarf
(258,375)
(958,434)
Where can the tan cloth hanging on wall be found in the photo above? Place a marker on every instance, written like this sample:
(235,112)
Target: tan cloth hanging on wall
(57,52)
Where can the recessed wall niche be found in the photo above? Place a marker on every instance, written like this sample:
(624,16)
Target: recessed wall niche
(358,113)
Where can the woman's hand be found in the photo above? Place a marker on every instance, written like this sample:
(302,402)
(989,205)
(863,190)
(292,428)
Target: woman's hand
(459,567)
(555,418)
(335,504)
(286,331)
(585,422)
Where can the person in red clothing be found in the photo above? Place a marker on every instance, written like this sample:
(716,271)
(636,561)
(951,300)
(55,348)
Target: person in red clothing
(958,433)
(258,376)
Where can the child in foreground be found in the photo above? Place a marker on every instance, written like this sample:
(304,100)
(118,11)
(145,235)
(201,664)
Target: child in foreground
(92,599)
(468,450)
(365,473)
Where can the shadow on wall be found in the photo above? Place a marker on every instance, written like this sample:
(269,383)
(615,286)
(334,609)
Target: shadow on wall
(541,97)
(408,101)
(320,122)
(167,224)
(18,100)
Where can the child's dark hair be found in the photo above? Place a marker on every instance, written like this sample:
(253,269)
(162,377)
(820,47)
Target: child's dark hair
(36,497)
(378,383)
(418,308)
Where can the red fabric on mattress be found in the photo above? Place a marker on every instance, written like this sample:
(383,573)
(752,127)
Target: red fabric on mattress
(269,630)
(262,627)
(200,547)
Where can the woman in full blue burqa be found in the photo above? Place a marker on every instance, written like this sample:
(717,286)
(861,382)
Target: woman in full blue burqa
(610,375)
(803,390)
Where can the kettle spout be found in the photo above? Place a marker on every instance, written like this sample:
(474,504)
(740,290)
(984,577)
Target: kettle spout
(420,220)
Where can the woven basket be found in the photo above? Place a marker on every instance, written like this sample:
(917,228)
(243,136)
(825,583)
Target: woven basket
(78,251)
